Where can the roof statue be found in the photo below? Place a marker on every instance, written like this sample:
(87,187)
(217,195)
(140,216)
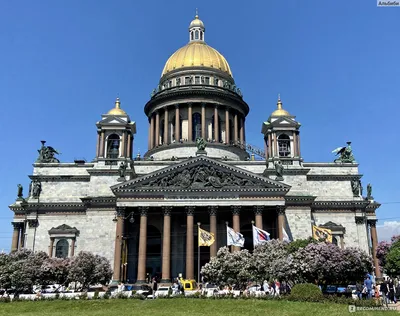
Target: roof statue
(279,171)
(20,190)
(346,154)
(46,154)
(369,192)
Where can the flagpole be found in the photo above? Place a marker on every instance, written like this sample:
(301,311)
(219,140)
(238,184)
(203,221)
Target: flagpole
(198,252)
(226,232)
(252,233)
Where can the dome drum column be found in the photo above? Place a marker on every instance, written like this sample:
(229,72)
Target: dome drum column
(241,130)
(166,121)
(235,128)
(190,123)
(227,127)
(157,133)
(203,120)
(216,127)
(177,123)
(152,131)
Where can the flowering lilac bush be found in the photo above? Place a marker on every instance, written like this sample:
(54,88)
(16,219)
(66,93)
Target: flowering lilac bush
(87,268)
(316,262)
(22,269)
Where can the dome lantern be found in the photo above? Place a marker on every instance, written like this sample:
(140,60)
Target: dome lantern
(280,111)
(196,29)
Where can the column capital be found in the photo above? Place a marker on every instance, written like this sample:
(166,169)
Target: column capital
(120,211)
(281,210)
(258,209)
(167,210)
(190,210)
(203,104)
(360,220)
(236,209)
(190,103)
(176,106)
(372,222)
(16,225)
(143,210)
(212,210)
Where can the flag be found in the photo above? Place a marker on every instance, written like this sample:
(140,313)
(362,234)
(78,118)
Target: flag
(259,236)
(205,238)
(320,233)
(233,238)
(285,235)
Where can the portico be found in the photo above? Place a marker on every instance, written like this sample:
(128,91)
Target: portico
(199,190)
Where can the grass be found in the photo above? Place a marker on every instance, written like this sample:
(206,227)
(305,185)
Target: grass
(177,307)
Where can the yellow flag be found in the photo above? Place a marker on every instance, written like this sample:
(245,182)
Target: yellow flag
(205,238)
(320,233)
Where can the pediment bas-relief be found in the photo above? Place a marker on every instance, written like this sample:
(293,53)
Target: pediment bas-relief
(202,174)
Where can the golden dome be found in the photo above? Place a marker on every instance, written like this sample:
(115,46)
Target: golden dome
(196,54)
(280,111)
(117,110)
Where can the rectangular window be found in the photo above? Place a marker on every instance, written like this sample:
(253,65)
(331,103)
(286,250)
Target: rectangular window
(207,80)
(187,80)
(197,80)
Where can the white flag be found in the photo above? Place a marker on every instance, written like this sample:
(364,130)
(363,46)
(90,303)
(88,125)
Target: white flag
(285,235)
(233,238)
(259,236)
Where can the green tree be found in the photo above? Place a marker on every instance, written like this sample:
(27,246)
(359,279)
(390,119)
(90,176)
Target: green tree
(392,266)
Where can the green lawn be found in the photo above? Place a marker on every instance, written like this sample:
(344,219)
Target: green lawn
(177,307)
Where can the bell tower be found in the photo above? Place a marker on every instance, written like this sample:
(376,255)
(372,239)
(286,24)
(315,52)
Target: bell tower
(115,133)
(282,137)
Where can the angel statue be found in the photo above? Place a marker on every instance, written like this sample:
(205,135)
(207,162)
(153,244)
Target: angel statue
(346,154)
(201,144)
(46,154)
(279,170)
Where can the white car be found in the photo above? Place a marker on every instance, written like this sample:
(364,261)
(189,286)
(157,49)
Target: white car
(210,289)
(163,291)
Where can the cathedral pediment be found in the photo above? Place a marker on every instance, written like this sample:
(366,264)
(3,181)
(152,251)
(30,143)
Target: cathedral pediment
(201,174)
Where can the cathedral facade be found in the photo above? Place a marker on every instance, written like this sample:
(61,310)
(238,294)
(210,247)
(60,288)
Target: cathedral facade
(142,213)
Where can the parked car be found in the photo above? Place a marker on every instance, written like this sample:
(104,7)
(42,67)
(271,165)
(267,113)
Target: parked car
(143,289)
(163,291)
(209,289)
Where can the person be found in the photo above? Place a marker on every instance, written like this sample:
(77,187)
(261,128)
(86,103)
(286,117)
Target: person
(384,290)
(391,288)
(277,287)
(121,287)
(368,285)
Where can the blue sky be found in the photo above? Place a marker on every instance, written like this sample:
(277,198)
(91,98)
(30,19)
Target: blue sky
(335,63)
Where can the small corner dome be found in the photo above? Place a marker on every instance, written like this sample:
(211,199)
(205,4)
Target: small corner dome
(117,109)
(196,22)
(280,111)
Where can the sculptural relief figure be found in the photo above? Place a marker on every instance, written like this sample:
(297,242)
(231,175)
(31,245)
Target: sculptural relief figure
(20,191)
(201,144)
(36,188)
(279,170)
(355,187)
(369,192)
(346,154)
(122,170)
(46,154)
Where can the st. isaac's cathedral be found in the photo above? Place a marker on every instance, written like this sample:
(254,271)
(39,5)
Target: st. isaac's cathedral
(142,212)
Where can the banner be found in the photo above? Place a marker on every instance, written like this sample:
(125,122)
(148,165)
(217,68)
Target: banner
(285,235)
(320,233)
(233,238)
(205,238)
(259,236)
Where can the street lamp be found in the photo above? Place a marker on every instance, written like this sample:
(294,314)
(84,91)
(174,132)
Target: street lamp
(130,215)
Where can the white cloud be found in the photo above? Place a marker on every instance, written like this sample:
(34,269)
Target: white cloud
(387,230)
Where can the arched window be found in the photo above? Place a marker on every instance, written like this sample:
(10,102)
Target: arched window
(191,35)
(62,248)
(196,35)
(196,126)
(173,129)
(113,146)
(284,145)
(219,136)
(201,35)
(334,240)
